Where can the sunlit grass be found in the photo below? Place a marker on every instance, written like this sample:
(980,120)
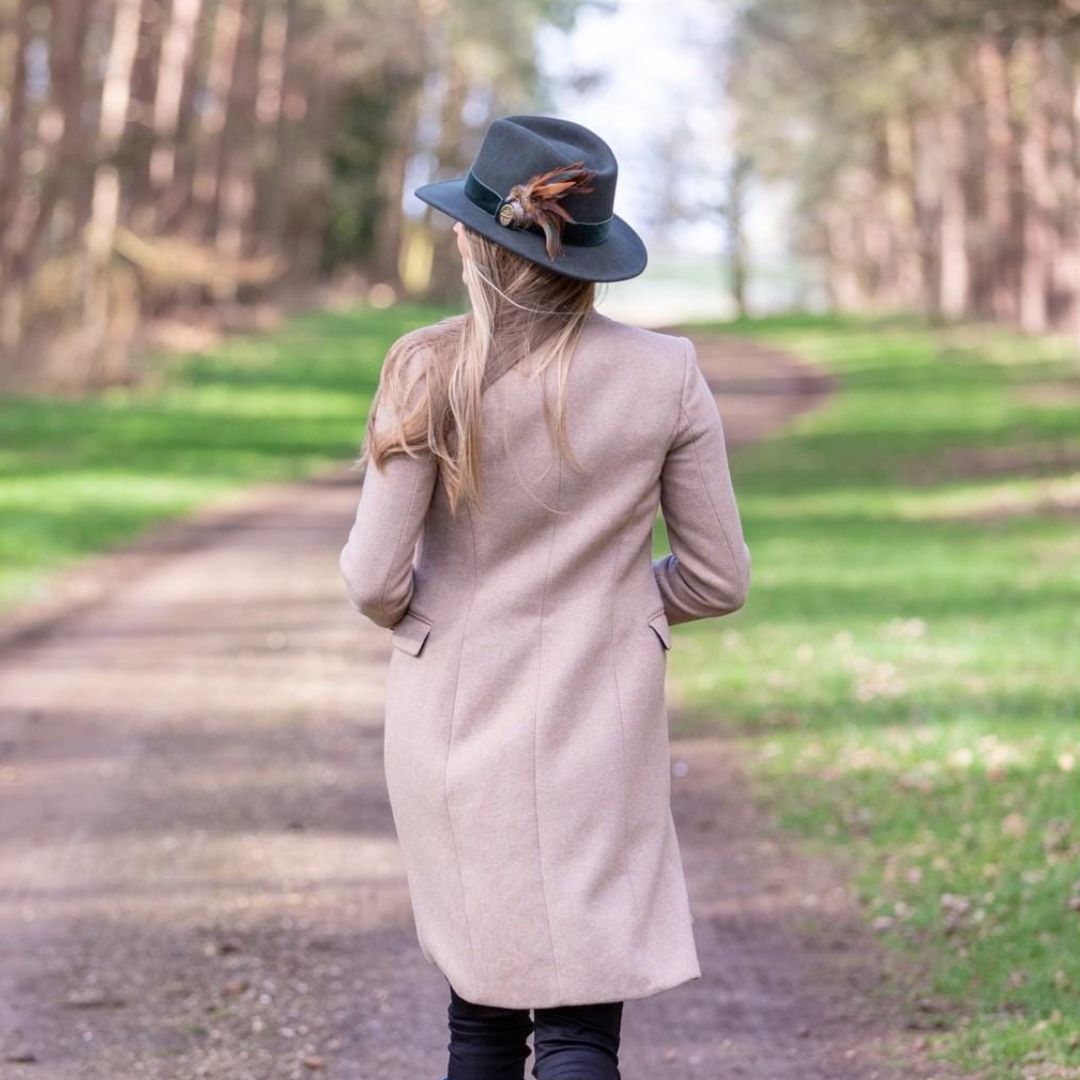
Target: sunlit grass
(906,674)
(77,476)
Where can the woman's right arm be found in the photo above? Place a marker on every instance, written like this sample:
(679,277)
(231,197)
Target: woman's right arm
(707,572)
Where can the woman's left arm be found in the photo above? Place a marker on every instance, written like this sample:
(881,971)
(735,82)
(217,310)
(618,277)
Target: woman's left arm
(377,559)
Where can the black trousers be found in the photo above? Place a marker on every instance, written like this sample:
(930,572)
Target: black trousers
(570,1042)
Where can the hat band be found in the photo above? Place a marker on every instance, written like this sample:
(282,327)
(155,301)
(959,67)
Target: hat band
(577,233)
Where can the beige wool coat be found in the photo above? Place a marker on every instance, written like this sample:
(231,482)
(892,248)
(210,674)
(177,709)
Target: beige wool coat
(526,735)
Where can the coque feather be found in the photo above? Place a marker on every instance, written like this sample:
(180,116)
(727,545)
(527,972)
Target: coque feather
(536,201)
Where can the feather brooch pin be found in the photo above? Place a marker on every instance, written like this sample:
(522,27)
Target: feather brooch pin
(536,202)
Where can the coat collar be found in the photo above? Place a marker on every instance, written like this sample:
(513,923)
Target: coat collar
(498,366)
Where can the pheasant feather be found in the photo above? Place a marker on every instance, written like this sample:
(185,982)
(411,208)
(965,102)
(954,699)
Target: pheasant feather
(537,202)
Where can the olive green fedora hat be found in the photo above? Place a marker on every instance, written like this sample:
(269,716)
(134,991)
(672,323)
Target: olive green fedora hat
(595,244)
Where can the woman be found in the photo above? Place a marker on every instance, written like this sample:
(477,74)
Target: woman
(517,456)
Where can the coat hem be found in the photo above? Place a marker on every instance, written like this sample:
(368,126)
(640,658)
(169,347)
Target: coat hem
(649,990)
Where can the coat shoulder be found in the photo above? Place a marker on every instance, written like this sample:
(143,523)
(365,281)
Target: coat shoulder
(408,367)
(433,335)
(666,351)
(416,350)
(656,341)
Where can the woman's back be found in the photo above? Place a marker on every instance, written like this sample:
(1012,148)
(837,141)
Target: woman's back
(549,540)
(526,730)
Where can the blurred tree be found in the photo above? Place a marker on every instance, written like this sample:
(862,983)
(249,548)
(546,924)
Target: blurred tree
(160,154)
(935,144)
(105,193)
(16,41)
(734,210)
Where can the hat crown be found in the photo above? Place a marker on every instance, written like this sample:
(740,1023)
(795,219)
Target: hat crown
(595,244)
(517,148)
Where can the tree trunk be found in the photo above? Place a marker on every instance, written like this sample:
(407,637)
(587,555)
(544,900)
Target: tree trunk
(219,78)
(955,272)
(907,268)
(1074,205)
(734,213)
(445,265)
(236,169)
(1038,197)
(174,193)
(105,200)
(176,50)
(921,196)
(269,115)
(1002,255)
(1063,182)
(11,173)
(282,106)
(138,140)
(842,256)
(61,138)
(391,183)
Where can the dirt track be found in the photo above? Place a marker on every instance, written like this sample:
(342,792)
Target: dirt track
(198,863)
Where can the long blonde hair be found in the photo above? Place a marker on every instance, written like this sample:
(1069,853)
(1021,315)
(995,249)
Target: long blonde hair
(517,309)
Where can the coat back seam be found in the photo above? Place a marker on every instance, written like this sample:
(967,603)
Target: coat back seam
(536,711)
(449,747)
(622,737)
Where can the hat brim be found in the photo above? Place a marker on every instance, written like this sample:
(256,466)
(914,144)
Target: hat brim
(622,255)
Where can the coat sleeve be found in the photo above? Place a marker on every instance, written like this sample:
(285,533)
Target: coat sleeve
(377,559)
(707,572)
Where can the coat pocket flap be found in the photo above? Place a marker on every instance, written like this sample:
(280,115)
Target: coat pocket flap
(410,633)
(663,631)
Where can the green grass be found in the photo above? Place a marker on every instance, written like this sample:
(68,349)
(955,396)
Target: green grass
(906,674)
(78,476)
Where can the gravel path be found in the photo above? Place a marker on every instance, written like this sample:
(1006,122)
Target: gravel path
(198,869)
